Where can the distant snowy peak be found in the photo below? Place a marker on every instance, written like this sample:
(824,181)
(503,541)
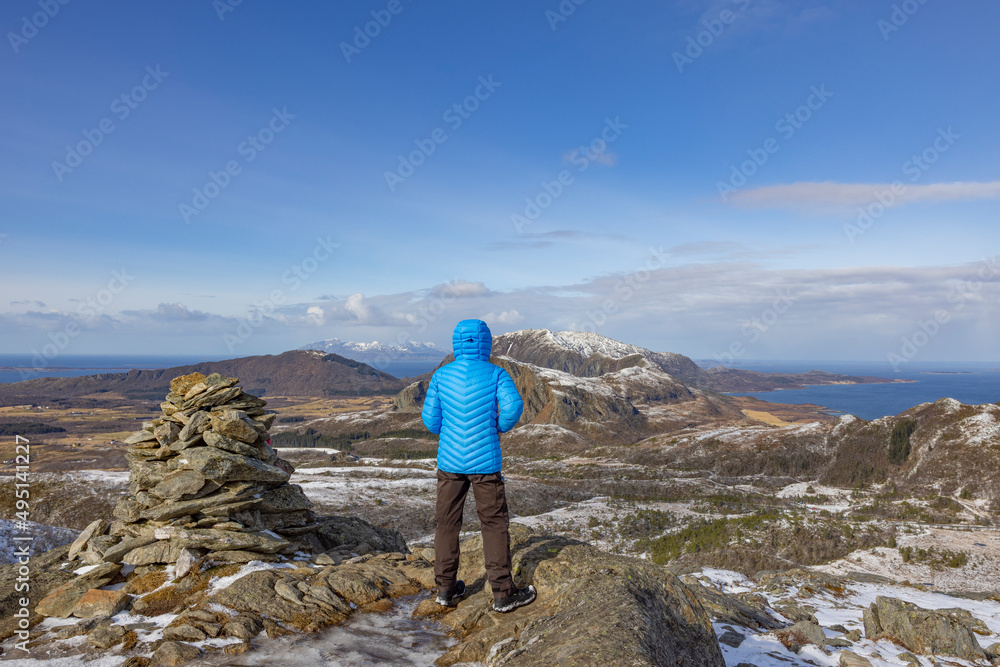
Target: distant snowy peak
(588,343)
(578,352)
(376,351)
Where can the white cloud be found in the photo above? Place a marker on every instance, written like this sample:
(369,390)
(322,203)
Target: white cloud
(508,317)
(830,196)
(316,315)
(356,306)
(172,312)
(460,289)
(698,308)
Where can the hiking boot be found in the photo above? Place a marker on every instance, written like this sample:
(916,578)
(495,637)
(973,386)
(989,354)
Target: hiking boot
(518,598)
(451,598)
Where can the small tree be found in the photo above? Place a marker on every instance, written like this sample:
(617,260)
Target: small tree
(899,443)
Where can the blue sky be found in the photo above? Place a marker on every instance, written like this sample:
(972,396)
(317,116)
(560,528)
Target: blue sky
(687,176)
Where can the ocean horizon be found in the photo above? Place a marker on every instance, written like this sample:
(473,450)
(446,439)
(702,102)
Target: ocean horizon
(969,382)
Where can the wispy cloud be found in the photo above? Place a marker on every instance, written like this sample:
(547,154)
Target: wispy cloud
(551,238)
(459,289)
(695,308)
(707,248)
(828,196)
(507,317)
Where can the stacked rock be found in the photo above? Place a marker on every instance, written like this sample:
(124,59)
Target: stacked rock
(204,481)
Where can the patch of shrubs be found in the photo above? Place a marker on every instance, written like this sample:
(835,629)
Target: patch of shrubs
(643,525)
(933,557)
(703,536)
(764,540)
(28,428)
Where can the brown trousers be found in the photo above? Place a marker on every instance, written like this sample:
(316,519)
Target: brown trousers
(491,506)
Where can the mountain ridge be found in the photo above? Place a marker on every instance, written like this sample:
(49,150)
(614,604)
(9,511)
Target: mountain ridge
(292,373)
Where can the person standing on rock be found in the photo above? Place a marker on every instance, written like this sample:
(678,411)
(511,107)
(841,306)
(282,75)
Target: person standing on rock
(469,402)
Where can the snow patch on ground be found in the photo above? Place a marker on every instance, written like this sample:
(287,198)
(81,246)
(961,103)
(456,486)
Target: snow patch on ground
(102,477)
(546,431)
(220,583)
(982,573)
(981,429)
(365,640)
(45,537)
(292,450)
(763,649)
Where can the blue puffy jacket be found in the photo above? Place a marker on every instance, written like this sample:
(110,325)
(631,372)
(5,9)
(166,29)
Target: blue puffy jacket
(469,402)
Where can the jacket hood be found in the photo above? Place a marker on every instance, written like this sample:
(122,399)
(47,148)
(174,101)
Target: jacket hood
(472,340)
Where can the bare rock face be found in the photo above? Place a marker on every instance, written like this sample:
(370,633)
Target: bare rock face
(730,609)
(932,632)
(593,608)
(63,601)
(411,399)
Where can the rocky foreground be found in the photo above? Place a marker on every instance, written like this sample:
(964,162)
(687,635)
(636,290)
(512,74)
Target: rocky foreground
(593,608)
(591,605)
(212,551)
(212,555)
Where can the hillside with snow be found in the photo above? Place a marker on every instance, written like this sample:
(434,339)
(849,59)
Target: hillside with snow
(375,351)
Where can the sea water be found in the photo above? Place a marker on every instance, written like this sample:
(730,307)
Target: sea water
(968,382)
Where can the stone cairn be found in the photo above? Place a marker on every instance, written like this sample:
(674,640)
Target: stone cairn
(203,481)
(207,493)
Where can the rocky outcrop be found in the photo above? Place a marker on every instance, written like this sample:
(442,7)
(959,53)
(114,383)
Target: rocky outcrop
(750,611)
(411,399)
(948,632)
(592,608)
(46,576)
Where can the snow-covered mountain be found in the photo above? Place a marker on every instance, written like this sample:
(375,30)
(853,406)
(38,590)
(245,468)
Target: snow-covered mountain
(379,352)
(585,353)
